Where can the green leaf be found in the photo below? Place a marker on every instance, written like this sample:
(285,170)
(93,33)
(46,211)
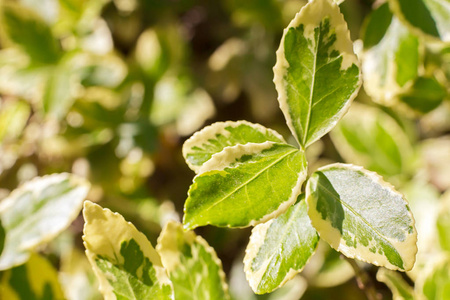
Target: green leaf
(30,32)
(124,261)
(280,248)
(214,138)
(193,266)
(57,98)
(13,118)
(400,289)
(38,211)
(35,280)
(362,216)
(428,17)
(392,63)
(245,185)
(443,224)
(388,151)
(317,74)
(375,25)
(424,94)
(434,282)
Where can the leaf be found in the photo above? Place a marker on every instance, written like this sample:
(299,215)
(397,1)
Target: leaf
(391,64)
(428,17)
(362,216)
(375,25)
(30,32)
(434,282)
(214,138)
(124,261)
(13,119)
(193,266)
(317,74)
(280,248)
(400,289)
(424,94)
(38,211)
(57,98)
(245,185)
(388,151)
(37,279)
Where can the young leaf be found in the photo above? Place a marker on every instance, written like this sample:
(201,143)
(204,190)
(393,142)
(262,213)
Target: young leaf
(124,261)
(30,32)
(400,289)
(280,248)
(214,138)
(428,17)
(362,216)
(392,63)
(317,74)
(37,279)
(245,185)
(38,211)
(193,266)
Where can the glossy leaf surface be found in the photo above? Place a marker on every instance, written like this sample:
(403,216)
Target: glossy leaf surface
(193,266)
(36,212)
(124,261)
(245,185)
(280,248)
(362,216)
(317,74)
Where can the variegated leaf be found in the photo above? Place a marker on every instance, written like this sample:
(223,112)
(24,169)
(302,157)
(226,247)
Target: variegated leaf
(193,266)
(428,17)
(388,151)
(434,282)
(124,261)
(400,289)
(317,74)
(214,138)
(36,279)
(245,185)
(362,216)
(36,212)
(280,248)
(393,62)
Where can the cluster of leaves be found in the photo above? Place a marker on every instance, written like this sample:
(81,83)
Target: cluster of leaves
(108,89)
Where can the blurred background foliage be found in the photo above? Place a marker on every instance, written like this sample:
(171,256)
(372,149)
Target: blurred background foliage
(110,90)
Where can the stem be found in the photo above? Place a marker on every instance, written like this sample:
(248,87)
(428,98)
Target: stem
(363,280)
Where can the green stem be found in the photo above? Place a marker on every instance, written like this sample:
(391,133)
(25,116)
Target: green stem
(363,280)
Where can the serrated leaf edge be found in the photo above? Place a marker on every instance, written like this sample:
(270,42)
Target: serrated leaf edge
(345,46)
(221,160)
(407,254)
(204,243)
(210,132)
(105,287)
